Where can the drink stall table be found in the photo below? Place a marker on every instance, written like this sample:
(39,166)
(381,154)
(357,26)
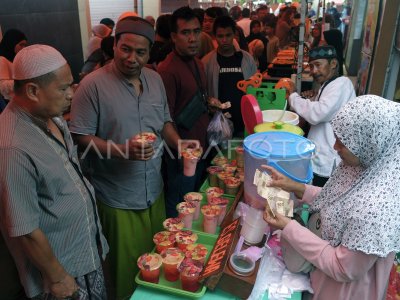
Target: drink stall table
(223,284)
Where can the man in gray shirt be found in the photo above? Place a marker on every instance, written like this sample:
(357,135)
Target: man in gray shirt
(48,215)
(111,106)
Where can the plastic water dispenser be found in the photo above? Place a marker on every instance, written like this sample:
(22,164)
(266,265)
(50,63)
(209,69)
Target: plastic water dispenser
(289,153)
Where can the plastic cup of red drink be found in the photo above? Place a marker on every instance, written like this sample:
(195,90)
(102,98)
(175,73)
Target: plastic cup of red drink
(219,160)
(173,224)
(190,158)
(145,137)
(186,213)
(221,179)
(212,174)
(164,239)
(189,274)
(149,265)
(210,218)
(232,185)
(197,252)
(222,203)
(240,156)
(184,238)
(194,198)
(214,192)
(171,259)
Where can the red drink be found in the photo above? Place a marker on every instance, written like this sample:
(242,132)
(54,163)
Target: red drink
(210,220)
(173,224)
(190,282)
(190,158)
(221,202)
(213,192)
(172,257)
(185,238)
(212,175)
(194,198)
(164,240)
(145,137)
(152,276)
(171,272)
(149,265)
(196,252)
(232,185)
(190,271)
(186,213)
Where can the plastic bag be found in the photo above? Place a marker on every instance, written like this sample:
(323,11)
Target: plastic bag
(269,273)
(220,129)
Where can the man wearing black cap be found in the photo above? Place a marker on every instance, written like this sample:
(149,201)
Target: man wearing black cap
(111,106)
(320,109)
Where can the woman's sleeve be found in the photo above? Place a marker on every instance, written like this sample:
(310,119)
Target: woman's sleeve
(339,263)
(310,194)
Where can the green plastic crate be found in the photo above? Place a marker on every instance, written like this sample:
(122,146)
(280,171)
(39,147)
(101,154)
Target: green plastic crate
(268,98)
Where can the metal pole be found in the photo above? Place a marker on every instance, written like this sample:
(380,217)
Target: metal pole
(301,45)
(318,9)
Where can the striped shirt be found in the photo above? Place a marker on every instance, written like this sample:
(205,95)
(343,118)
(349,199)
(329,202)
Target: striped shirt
(42,187)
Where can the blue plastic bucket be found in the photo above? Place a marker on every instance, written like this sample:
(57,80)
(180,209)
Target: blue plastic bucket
(288,153)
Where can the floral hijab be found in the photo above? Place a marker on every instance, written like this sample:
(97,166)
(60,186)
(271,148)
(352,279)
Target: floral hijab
(360,206)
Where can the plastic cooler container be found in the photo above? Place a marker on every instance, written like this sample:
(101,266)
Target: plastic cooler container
(288,153)
(273,115)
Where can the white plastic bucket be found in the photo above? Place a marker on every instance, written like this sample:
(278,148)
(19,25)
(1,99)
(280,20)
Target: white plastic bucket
(273,115)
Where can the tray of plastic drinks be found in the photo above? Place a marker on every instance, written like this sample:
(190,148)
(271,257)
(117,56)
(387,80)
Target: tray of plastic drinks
(176,269)
(205,223)
(227,174)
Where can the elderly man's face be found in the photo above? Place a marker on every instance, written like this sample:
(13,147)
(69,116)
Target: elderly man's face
(131,54)
(55,97)
(322,70)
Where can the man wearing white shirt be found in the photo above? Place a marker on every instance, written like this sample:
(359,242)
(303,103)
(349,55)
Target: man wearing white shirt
(245,21)
(319,110)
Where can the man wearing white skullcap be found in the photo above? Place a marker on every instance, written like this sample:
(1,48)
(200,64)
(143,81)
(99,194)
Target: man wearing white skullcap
(47,208)
(112,105)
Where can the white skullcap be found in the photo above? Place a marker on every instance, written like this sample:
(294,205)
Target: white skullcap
(36,60)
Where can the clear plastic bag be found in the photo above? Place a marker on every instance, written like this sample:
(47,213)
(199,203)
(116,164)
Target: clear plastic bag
(269,273)
(220,129)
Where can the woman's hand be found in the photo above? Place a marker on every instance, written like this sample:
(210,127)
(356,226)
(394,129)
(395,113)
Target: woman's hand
(281,181)
(279,221)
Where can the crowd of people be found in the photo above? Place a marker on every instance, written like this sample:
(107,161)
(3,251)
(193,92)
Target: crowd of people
(73,225)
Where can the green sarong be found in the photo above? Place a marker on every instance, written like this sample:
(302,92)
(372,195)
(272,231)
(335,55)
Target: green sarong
(129,234)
